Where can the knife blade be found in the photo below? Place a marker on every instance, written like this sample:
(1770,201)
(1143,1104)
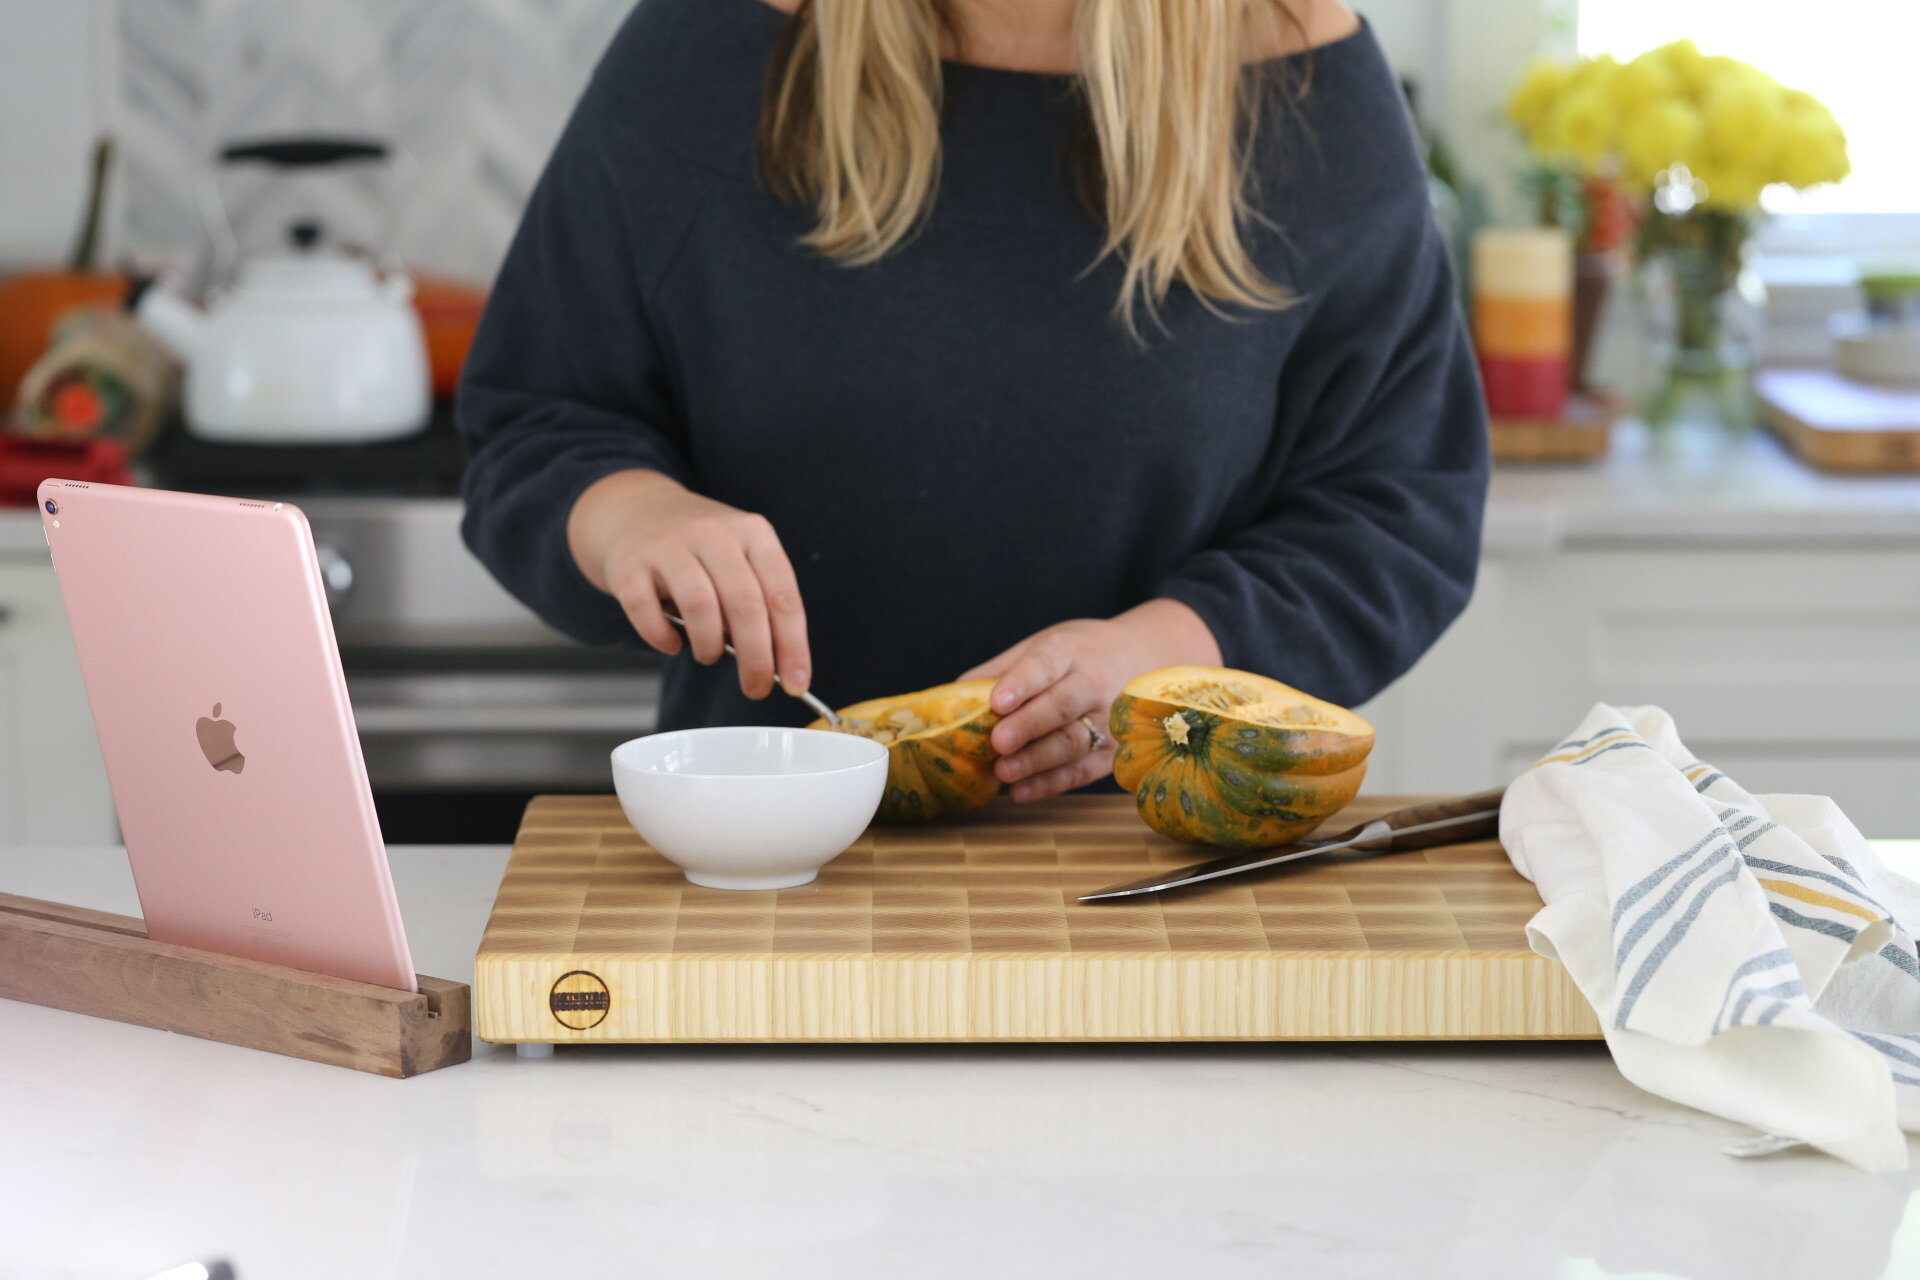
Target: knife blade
(1420,826)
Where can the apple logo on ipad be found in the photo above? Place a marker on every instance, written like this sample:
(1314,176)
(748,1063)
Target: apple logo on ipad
(216,742)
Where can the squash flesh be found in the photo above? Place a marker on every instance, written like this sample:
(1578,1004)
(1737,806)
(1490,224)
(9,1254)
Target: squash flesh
(1234,759)
(939,754)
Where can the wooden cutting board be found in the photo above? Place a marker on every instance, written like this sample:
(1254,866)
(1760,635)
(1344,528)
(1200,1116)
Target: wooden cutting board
(968,931)
(1838,424)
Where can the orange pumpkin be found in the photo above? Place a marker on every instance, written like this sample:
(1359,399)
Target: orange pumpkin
(449,312)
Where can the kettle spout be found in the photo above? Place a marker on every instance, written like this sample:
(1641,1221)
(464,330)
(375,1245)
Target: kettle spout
(168,316)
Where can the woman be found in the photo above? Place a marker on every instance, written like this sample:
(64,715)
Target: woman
(1051,341)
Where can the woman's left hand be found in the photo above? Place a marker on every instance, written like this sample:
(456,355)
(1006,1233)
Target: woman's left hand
(1048,682)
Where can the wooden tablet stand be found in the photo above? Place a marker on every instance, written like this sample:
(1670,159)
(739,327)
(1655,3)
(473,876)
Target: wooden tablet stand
(105,965)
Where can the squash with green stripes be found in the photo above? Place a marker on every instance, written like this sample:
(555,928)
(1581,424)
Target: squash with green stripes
(939,756)
(1229,758)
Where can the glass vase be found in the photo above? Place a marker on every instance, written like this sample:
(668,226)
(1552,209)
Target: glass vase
(1705,306)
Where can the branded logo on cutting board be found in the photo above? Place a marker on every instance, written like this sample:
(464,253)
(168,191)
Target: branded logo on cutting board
(216,742)
(579,1000)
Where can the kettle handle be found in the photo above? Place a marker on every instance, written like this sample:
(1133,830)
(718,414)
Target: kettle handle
(294,153)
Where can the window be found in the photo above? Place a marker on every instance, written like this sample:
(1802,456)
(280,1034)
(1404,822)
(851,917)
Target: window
(1856,56)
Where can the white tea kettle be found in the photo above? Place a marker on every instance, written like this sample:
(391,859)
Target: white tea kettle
(308,345)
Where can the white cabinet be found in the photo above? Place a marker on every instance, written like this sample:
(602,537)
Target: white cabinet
(53,788)
(1791,670)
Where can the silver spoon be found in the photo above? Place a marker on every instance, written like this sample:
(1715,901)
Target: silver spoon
(827,713)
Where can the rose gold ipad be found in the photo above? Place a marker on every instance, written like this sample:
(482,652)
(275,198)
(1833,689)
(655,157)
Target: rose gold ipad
(210,663)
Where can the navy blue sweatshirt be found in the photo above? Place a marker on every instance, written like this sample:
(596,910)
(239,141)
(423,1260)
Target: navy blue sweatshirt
(959,445)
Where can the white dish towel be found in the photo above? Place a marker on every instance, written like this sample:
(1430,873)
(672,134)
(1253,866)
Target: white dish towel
(1747,955)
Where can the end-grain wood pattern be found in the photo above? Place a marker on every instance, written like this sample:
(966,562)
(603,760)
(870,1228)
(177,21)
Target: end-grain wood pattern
(968,930)
(101,964)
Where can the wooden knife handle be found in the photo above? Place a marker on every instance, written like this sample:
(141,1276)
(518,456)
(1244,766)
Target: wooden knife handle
(1483,808)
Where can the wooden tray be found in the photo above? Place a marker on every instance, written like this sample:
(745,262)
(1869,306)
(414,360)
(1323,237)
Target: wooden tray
(1837,424)
(968,930)
(1581,434)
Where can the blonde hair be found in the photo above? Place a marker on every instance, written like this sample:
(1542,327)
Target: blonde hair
(851,125)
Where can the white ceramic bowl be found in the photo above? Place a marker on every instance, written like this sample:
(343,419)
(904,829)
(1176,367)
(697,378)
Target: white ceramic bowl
(750,808)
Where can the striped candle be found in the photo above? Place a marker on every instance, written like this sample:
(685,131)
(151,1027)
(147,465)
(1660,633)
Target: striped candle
(1523,319)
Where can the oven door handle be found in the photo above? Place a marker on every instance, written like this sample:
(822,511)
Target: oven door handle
(413,719)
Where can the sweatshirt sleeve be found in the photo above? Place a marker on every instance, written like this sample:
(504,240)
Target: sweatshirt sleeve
(1362,542)
(568,381)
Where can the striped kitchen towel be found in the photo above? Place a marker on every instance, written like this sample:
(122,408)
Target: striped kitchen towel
(1747,955)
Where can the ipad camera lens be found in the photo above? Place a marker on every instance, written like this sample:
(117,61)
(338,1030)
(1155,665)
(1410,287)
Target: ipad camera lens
(53,508)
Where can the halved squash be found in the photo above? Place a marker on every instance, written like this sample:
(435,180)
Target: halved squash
(939,758)
(1234,759)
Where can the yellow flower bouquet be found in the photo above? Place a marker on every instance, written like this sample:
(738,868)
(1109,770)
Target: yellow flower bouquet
(1693,139)
(1722,127)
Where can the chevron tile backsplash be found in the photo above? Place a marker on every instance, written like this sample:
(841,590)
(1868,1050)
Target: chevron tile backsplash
(473,91)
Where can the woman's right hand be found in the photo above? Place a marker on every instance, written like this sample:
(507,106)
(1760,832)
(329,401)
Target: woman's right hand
(643,538)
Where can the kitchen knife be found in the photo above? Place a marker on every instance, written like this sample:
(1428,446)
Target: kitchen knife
(1420,826)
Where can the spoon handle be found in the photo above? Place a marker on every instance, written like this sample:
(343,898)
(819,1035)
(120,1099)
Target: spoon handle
(827,713)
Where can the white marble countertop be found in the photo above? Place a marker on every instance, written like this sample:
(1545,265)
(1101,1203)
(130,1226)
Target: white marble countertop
(1694,489)
(124,1150)
(1686,490)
